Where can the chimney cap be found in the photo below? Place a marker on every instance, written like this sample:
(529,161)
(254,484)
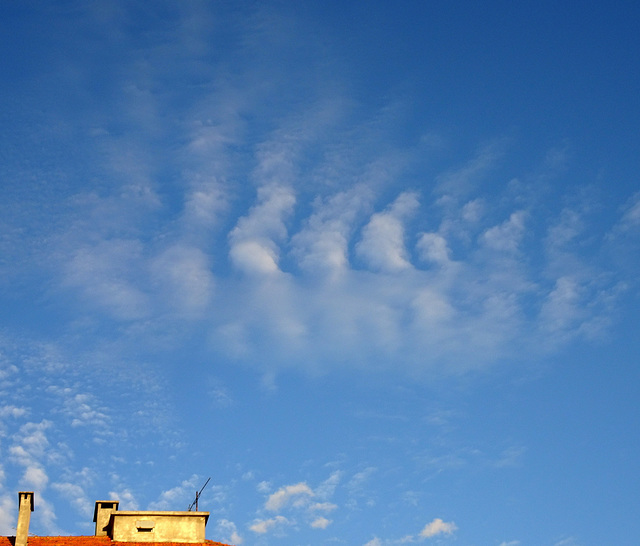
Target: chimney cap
(100,504)
(28,494)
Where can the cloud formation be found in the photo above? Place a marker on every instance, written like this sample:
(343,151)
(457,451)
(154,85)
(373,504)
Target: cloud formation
(298,502)
(438,527)
(298,493)
(433,529)
(334,278)
(382,244)
(262,526)
(229,191)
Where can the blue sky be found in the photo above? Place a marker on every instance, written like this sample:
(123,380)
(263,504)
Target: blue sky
(370,267)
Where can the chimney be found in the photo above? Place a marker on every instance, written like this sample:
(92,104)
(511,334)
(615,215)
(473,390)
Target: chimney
(25,507)
(102,515)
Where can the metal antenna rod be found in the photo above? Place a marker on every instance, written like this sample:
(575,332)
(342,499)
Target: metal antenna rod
(198,496)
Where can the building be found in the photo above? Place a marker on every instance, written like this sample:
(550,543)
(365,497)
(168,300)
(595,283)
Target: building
(119,528)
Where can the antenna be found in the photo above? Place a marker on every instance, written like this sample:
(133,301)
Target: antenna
(195,502)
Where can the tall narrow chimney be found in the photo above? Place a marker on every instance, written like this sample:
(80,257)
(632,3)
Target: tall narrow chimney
(102,515)
(25,507)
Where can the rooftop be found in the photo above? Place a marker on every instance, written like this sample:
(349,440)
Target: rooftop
(119,528)
(93,541)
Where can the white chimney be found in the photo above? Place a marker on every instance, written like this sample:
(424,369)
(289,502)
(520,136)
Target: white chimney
(25,507)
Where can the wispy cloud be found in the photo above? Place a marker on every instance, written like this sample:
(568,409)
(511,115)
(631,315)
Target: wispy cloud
(443,288)
(298,503)
(254,240)
(382,245)
(631,214)
(320,523)
(76,495)
(106,274)
(184,273)
(569,541)
(8,511)
(228,532)
(262,526)
(298,493)
(30,449)
(435,528)
(303,237)
(53,455)
(438,527)
(511,457)
(321,247)
(461,182)
(126,497)
(176,498)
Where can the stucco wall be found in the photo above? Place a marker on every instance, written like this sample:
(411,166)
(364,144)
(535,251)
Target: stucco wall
(143,526)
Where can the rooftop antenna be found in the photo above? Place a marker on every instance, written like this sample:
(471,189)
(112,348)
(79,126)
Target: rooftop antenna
(195,502)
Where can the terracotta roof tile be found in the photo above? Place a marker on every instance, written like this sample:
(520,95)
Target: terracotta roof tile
(95,541)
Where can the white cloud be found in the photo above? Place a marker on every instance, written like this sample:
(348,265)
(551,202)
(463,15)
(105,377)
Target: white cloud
(462,181)
(186,280)
(204,204)
(7,369)
(323,507)
(631,215)
(569,541)
(76,495)
(473,211)
(297,498)
(511,457)
(107,275)
(176,497)
(433,248)
(420,320)
(80,410)
(421,316)
(253,240)
(566,230)
(221,396)
(263,487)
(360,478)
(8,512)
(305,301)
(12,411)
(562,307)
(126,498)
(265,220)
(507,236)
(255,256)
(228,532)
(207,139)
(432,310)
(438,527)
(382,245)
(30,448)
(320,523)
(322,246)
(562,241)
(435,528)
(45,515)
(327,487)
(35,477)
(510,543)
(289,493)
(263,526)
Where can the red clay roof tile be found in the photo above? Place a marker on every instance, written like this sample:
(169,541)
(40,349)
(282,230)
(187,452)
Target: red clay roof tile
(94,541)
